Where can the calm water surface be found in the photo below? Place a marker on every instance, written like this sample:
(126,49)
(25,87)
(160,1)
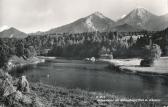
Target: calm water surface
(96,77)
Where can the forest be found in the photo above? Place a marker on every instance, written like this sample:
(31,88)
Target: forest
(83,45)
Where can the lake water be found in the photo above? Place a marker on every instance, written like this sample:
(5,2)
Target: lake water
(96,77)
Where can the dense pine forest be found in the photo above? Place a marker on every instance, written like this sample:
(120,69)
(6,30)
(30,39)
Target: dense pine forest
(82,45)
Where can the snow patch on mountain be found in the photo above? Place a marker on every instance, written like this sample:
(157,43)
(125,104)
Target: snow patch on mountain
(11,36)
(141,13)
(90,24)
(123,16)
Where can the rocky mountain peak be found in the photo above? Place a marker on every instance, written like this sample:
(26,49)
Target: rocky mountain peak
(97,13)
(140,13)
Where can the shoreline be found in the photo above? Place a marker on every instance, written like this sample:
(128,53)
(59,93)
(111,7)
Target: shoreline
(16,62)
(133,66)
(60,96)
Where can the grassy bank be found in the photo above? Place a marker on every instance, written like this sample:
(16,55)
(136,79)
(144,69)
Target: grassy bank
(9,95)
(62,97)
(133,66)
(42,95)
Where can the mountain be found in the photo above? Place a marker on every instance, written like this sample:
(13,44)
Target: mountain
(12,33)
(94,22)
(37,33)
(140,18)
(162,22)
(125,28)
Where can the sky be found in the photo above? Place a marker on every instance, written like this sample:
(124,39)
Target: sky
(41,15)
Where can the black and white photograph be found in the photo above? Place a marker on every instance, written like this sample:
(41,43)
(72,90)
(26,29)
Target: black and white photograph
(83,53)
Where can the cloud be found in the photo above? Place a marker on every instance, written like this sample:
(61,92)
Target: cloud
(4,27)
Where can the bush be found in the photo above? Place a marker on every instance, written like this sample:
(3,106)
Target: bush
(151,54)
(155,52)
(147,63)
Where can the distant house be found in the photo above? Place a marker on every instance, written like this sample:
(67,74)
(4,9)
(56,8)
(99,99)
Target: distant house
(106,56)
(44,51)
(92,59)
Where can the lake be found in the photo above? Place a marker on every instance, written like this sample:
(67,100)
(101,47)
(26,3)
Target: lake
(96,77)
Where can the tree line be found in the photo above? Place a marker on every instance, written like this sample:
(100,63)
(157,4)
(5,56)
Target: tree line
(82,45)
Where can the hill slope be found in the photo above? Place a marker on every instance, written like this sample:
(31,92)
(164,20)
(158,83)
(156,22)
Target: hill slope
(141,18)
(93,22)
(125,28)
(12,33)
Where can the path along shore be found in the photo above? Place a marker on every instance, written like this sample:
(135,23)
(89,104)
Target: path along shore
(133,66)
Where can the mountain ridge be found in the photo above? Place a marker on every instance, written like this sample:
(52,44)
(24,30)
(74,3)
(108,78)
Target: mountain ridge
(94,22)
(136,20)
(12,33)
(138,17)
(125,28)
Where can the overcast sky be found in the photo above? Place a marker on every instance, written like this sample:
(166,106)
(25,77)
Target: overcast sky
(35,15)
